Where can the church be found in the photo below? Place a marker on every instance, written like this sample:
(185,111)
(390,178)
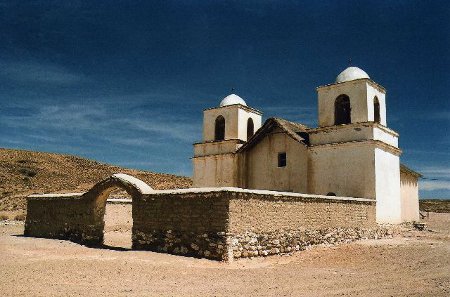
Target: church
(352,152)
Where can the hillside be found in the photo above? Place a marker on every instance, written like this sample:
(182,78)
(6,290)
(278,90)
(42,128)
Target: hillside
(25,172)
(435,205)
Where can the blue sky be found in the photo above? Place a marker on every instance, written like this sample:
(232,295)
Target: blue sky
(125,82)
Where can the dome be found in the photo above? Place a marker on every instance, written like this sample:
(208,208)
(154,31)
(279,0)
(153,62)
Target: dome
(351,73)
(231,100)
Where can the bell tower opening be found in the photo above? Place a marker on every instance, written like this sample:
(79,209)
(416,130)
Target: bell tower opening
(376,110)
(342,110)
(219,134)
(250,128)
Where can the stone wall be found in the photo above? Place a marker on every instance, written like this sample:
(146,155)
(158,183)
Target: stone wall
(227,223)
(216,223)
(64,216)
(186,223)
(264,224)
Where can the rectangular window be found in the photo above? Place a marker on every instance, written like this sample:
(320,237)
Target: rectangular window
(281,159)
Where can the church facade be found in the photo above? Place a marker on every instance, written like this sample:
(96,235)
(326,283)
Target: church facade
(352,153)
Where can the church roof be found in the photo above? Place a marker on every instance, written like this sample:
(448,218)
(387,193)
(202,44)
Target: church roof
(351,73)
(404,168)
(296,131)
(231,100)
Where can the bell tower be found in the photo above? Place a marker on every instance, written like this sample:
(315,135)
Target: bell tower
(353,98)
(354,153)
(225,129)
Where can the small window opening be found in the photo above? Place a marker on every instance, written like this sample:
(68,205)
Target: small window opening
(220,128)
(331,194)
(281,159)
(342,110)
(376,110)
(250,128)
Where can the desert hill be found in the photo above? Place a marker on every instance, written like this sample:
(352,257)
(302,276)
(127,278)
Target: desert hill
(25,172)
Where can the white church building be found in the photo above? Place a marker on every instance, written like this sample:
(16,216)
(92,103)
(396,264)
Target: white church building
(352,153)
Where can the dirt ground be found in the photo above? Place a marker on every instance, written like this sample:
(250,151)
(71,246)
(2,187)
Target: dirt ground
(417,264)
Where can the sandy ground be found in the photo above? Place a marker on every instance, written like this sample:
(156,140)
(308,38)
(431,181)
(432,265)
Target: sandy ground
(417,264)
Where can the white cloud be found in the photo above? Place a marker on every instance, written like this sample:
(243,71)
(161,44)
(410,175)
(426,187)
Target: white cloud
(431,185)
(436,172)
(32,71)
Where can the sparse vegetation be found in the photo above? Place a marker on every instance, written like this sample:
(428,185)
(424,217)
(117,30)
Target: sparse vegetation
(24,172)
(28,172)
(435,205)
(4,217)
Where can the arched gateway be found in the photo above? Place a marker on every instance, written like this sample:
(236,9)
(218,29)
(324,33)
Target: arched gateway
(79,216)
(99,194)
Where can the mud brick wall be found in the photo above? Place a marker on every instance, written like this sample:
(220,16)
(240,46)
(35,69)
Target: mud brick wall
(261,225)
(263,212)
(68,217)
(192,224)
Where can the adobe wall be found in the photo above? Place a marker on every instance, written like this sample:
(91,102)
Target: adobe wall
(409,192)
(229,223)
(214,223)
(182,222)
(260,165)
(63,216)
(262,224)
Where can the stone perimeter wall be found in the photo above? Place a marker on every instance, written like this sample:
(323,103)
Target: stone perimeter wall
(63,217)
(262,225)
(221,223)
(190,224)
(228,224)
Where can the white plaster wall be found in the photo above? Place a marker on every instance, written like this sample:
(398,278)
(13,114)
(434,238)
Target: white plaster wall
(345,169)
(243,116)
(409,192)
(215,171)
(356,90)
(261,164)
(386,135)
(387,176)
(371,93)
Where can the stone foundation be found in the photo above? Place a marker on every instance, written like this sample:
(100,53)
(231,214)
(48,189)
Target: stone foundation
(211,245)
(251,244)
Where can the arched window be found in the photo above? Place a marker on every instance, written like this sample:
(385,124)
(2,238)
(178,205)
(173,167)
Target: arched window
(220,128)
(331,194)
(250,128)
(342,110)
(376,110)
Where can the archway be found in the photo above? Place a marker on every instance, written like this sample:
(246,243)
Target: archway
(376,110)
(250,128)
(219,128)
(118,220)
(117,185)
(342,110)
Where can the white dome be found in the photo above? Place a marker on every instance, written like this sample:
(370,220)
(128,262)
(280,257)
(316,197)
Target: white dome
(351,73)
(231,100)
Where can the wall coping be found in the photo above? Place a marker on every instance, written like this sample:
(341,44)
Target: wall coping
(216,190)
(259,192)
(55,195)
